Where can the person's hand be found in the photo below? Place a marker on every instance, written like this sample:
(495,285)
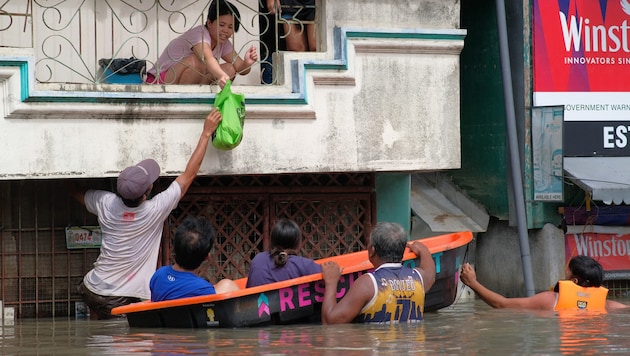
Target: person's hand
(251,56)
(331,272)
(212,121)
(418,247)
(272,5)
(223,80)
(468,275)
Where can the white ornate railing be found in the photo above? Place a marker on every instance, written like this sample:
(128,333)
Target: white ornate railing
(70,36)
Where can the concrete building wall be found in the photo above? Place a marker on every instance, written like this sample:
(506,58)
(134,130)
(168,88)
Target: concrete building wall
(498,263)
(382,96)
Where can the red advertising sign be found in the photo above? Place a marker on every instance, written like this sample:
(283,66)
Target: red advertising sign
(581,46)
(612,251)
(582,61)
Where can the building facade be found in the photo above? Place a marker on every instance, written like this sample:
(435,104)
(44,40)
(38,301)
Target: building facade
(332,141)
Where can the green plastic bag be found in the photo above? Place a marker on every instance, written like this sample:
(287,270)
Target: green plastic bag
(229,133)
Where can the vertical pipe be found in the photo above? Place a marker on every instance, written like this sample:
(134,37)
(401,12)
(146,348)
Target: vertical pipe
(515,161)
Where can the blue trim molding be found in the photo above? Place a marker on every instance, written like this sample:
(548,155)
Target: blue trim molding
(24,70)
(298,95)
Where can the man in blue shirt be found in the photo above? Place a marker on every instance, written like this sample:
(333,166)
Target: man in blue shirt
(192,243)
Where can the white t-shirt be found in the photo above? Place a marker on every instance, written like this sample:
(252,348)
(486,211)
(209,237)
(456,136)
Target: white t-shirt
(131,241)
(181,47)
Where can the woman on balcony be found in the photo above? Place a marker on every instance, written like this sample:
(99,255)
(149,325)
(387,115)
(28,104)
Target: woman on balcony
(193,57)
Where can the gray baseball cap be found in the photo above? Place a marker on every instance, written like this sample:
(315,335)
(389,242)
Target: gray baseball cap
(135,180)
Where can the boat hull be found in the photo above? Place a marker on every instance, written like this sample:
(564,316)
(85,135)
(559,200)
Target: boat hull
(297,300)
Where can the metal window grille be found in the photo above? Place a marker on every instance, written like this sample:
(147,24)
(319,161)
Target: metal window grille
(70,37)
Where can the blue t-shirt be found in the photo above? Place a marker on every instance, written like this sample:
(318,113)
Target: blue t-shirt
(263,270)
(167,283)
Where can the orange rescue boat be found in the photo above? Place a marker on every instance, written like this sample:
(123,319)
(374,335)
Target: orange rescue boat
(296,300)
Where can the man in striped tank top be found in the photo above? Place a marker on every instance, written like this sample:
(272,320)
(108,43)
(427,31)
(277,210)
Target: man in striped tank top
(392,292)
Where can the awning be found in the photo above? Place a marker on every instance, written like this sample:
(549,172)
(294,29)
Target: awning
(607,179)
(441,205)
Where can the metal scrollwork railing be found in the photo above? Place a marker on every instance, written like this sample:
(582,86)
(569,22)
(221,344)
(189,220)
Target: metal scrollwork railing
(75,40)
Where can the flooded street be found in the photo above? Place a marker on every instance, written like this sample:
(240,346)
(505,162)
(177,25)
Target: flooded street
(466,328)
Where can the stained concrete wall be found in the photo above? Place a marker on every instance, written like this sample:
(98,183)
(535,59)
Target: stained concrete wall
(382,96)
(497,259)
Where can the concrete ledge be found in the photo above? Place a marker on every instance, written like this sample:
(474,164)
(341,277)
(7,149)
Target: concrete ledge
(291,99)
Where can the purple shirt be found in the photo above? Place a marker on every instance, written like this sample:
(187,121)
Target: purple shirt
(181,47)
(263,270)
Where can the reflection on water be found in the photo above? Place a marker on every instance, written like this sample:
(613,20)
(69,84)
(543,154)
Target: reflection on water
(467,328)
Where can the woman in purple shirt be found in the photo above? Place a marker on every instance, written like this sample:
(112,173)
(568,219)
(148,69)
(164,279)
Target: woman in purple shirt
(281,262)
(193,57)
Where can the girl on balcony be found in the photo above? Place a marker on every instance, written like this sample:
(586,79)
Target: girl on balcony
(193,57)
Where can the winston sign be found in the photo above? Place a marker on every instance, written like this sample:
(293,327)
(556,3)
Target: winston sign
(582,61)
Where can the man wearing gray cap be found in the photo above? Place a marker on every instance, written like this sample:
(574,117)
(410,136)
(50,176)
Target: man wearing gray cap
(132,225)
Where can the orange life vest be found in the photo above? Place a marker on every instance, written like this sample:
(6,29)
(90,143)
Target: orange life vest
(574,297)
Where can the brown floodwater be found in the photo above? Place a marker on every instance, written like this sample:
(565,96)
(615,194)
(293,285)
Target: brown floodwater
(466,328)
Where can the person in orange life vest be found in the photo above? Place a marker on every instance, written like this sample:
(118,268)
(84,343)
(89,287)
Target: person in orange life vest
(581,290)
(392,292)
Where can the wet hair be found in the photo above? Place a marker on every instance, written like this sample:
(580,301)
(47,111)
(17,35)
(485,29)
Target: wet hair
(134,203)
(389,241)
(587,271)
(224,8)
(192,242)
(286,237)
